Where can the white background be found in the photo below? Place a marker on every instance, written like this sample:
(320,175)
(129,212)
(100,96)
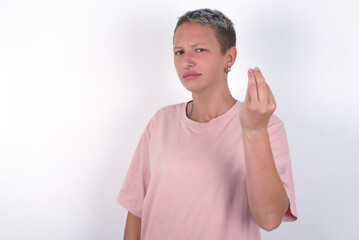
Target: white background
(79,80)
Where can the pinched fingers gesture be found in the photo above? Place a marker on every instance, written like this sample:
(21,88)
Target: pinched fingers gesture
(259,103)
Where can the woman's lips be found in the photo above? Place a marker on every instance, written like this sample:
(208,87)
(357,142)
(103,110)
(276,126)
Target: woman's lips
(191,75)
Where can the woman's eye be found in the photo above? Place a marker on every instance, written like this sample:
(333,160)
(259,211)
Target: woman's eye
(200,50)
(178,52)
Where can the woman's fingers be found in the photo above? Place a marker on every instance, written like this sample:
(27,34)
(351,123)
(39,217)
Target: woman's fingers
(259,102)
(248,97)
(259,95)
(262,86)
(252,90)
(271,99)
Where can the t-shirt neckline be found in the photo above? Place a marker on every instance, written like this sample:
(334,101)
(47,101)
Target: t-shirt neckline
(226,115)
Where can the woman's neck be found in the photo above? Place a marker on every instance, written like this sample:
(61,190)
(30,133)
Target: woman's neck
(204,108)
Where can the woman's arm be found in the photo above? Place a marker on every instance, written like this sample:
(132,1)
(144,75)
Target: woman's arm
(133,227)
(267,198)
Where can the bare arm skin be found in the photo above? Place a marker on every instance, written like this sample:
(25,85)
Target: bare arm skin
(133,227)
(267,198)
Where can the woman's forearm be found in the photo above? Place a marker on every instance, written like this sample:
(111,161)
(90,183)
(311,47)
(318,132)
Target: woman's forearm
(267,198)
(133,227)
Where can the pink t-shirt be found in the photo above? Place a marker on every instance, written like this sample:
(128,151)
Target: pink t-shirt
(187,180)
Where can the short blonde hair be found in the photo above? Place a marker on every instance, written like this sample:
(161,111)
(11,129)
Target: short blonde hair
(221,25)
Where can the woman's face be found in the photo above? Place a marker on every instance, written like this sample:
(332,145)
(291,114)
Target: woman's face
(195,46)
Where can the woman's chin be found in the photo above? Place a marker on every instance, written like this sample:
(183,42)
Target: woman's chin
(192,86)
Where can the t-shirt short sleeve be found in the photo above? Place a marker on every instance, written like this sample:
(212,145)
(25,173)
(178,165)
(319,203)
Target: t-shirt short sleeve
(280,149)
(134,188)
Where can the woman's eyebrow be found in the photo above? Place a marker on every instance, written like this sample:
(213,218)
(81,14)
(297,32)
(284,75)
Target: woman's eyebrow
(194,45)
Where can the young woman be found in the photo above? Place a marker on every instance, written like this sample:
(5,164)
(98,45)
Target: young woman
(214,167)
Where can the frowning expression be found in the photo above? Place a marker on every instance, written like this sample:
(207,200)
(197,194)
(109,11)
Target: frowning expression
(197,57)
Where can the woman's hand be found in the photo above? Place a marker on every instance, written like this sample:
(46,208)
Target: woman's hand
(258,105)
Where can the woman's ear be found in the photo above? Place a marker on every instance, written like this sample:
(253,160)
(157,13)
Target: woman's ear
(231,55)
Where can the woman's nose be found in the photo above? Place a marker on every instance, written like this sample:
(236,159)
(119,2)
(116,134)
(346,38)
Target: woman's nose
(188,61)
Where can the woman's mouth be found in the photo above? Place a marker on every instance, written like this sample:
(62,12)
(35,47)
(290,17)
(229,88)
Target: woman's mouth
(191,75)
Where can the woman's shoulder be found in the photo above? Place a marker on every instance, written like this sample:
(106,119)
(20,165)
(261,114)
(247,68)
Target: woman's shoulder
(168,113)
(170,110)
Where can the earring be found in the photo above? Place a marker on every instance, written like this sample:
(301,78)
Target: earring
(227,69)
